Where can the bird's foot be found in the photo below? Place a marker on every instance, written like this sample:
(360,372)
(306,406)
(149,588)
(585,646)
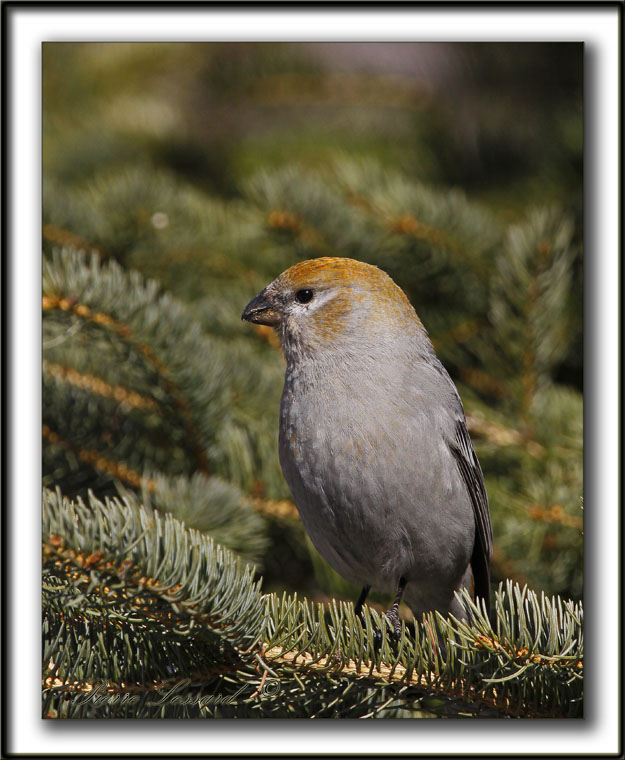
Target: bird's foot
(392,617)
(377,632)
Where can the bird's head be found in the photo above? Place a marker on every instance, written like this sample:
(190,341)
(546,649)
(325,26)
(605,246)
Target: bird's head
(333,304)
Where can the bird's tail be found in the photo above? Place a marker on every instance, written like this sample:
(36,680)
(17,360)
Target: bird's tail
(481,577)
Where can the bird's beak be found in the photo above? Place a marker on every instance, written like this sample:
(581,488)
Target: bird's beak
(261,311)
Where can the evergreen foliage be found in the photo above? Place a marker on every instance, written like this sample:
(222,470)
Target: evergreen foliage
(160,410)
(144,617)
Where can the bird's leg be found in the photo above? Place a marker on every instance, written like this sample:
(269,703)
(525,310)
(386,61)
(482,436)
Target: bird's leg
(377,634)
(360,601)
(393,613)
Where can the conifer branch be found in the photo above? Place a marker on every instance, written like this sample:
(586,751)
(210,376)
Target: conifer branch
(120,574)
(125,333)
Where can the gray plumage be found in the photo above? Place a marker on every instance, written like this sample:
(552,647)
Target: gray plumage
(373,440)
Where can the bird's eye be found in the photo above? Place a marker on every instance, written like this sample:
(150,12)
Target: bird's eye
(304,296)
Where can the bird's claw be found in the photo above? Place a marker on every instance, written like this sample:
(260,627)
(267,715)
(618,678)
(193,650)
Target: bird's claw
(392,618)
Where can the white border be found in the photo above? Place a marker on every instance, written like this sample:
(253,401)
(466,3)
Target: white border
(598,28)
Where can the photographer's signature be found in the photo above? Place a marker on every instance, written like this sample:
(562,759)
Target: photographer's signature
(101,696)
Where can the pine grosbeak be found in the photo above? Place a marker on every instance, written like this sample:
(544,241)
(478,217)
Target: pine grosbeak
(373,439)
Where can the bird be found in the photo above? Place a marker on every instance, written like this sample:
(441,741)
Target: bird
(373,440)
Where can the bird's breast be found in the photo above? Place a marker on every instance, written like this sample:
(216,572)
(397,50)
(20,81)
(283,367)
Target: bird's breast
(368,464)
(337,453)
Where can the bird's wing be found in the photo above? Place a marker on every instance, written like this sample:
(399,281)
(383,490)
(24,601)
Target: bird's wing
(462,449)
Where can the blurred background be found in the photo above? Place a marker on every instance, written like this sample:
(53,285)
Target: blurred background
(179,179)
